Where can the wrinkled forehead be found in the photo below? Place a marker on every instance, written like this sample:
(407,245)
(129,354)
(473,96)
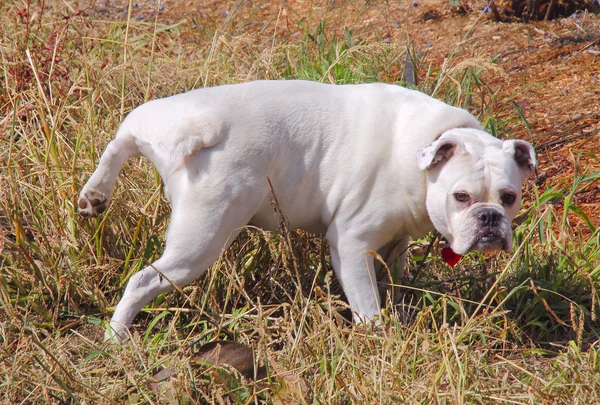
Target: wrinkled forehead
(484,169)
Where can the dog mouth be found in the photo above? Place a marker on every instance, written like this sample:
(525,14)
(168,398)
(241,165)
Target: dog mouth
(489,241)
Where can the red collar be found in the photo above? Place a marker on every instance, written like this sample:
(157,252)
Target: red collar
(450,256)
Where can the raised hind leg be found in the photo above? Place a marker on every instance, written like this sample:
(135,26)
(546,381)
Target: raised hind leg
(93,198)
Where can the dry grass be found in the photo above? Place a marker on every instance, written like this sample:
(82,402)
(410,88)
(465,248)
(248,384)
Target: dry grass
(521,329)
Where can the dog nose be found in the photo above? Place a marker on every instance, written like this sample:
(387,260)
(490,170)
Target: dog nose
(489,218)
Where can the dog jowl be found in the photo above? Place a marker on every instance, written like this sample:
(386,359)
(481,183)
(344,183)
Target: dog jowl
(369,166)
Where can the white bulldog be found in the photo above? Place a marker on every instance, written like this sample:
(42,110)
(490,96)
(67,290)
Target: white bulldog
(368,166)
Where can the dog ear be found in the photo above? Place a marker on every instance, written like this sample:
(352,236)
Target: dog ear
(438,152)
(523,154)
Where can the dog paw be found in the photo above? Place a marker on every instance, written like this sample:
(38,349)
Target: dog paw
(114,338)
(116,334)
(92,203)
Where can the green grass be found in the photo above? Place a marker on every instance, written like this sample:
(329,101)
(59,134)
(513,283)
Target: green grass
(520,328)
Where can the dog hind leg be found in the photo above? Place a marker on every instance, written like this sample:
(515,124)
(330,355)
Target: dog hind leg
(148,283)
(93,198)
(201,228)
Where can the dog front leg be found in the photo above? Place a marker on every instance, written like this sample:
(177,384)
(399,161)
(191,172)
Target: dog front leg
(394,254)
(354,268)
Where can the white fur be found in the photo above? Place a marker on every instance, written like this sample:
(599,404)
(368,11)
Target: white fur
(342,160)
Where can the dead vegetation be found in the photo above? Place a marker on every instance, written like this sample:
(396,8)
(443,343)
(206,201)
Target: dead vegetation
(535,10)
(501,329)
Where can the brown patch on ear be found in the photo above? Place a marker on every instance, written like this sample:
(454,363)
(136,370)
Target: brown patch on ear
(438,152)
(523,157)
(523,154)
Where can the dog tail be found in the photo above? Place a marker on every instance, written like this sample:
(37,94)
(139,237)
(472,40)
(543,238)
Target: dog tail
(195,133)
(169,142)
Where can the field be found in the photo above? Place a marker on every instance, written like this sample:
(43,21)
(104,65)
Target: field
(496,329)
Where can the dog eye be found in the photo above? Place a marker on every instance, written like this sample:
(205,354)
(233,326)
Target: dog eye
(508,198)
(461,197)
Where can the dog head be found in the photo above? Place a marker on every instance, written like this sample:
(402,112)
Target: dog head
(474,187)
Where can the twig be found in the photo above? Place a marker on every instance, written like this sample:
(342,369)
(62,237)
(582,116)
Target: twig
(549,10)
